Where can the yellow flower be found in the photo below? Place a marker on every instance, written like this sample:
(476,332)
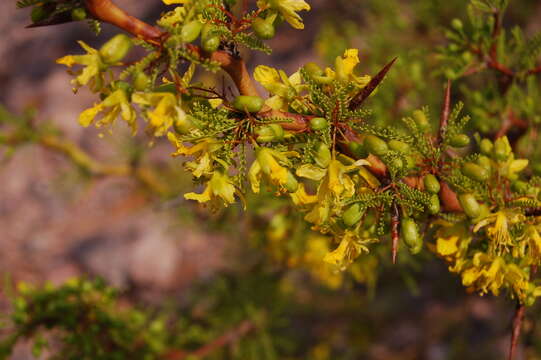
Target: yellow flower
(486,274)
(301,197)
(284,88)
(349,249)
(268,162)
(115,104)
(497,225)
(93,71)
(172,2)
(447,246)
(203,152)
(288,9)
(345,66)
(220,186)
(335,184)
(164,112)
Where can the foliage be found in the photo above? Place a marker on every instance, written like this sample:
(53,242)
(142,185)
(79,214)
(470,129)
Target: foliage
(360,179)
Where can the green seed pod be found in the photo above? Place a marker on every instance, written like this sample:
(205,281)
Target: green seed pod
(39,13)
(116,49)
(421,120)
(313,69)
(434,206)
(470,205)
(486,146)
(141,81)
(183,124)
(292,184)
(475,172)
(459,140)
(399,146)
(211,44)
(485,163)
(269,133)
(318,123)
(78,14)
(264,28)
(500,151)
(352,215)
(410,235)
(357,150)
(191,31)
(457,24)
(432,185)
(247,103)
(323,156)
(375,145)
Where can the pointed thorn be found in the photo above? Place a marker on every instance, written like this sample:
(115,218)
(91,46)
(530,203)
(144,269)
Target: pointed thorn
(370,87)
(445,111)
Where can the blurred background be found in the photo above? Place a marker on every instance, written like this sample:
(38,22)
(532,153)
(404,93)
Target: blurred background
(170,256)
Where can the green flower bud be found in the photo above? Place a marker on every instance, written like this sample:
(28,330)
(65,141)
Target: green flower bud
(183,124)
(358,150)
(264,28)
(375,145)
(457,24)
(78,14)
(313,69)
(501,150)
(432,185)
(318,123)
(116,49)
(292,184)
(459,140)
(352,215)
(247,103)
(323,155)
(475,172)
(434,205)
(141,81)
(399,146)
(485,163)
(191,31)
(211,44)
(410,235)
(486,146)
(269,133)
(421,120)
(470,205)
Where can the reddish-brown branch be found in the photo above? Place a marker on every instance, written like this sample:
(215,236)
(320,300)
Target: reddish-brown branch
(395,222)
(107,11)
(535,70)
(234,66)
(515,334)
(230,337)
